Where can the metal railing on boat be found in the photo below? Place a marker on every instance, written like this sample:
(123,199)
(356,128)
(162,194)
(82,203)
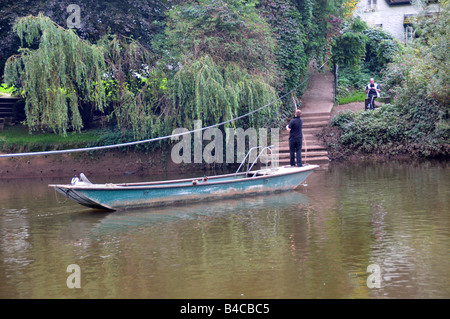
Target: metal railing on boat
(249,167)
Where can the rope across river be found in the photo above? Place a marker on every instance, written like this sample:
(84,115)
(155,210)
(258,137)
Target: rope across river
(96,148)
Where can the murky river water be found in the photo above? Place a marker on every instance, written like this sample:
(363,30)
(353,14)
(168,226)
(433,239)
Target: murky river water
(317,242)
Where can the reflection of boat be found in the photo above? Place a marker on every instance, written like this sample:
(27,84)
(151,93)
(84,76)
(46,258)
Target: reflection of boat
(130,220)
(137,195)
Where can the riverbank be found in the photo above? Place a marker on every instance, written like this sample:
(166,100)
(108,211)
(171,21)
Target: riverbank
(111,163)
(118,162)
(388,151)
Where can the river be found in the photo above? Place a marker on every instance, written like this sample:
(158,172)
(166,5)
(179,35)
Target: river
(353,231)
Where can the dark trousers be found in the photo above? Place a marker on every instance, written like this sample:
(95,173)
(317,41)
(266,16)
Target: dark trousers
(372,101)
(295,148)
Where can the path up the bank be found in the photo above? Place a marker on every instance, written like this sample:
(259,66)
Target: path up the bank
(317,103)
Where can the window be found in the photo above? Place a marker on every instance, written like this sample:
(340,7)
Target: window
(371,5)
(410,34)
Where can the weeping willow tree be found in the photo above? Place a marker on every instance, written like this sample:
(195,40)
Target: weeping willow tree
(57,73)
(64,78)
(135,88)
(214,92)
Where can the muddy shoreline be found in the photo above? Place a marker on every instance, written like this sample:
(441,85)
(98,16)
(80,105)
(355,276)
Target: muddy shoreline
(111,163)
(119,162)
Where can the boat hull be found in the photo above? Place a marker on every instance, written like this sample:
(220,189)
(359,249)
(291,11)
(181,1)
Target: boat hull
(139,195)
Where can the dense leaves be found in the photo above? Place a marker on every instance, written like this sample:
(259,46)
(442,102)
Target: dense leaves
(134,87)
(380,49)
(57,76)
(227,30)
(417,122)
(360,53)
(157,65)
(216,92)
(290,36)
(140,19)
(349,48)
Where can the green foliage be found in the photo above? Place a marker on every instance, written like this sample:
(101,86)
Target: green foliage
(419,79)
(292,58)
(134,88)
(352,96)
(217,59)
(316,18)
(231,31)
(215,92)
(351,84)
(343,119)
(431,51)
(371,132)
(381,48)
(65,77)
(139,19)
(361,52)
(17,139)
(5,89)
(223,55)
(417,122)
(360,46)
(57,76)
(349,49)
(303,31)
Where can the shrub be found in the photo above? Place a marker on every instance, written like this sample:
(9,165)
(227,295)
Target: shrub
(381,48)
(373,132)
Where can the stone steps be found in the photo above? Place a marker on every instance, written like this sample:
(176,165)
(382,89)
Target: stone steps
(313,150)
(308,160)
(304,154)
(314,124)
(284,146)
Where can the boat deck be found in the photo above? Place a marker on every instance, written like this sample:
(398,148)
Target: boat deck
(191,181)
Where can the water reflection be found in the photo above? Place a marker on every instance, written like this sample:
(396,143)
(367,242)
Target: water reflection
(202,212)
(316,242)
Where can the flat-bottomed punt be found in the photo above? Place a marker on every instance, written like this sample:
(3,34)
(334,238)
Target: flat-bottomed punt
(148,194)
(140,195)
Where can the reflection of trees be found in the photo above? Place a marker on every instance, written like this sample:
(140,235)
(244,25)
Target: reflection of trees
(14,248)
(279,246)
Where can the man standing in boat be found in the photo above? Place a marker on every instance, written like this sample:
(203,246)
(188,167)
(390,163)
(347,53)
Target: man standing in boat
(295,138)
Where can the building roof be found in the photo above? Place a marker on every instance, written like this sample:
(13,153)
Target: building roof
(394,2)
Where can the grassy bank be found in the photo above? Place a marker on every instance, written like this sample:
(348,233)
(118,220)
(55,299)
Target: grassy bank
(352,97)
(18,139)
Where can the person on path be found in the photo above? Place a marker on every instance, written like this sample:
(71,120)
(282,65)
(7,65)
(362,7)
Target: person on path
(295,138)
(372,91)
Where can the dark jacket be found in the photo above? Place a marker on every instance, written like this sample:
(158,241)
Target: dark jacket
(372,89)
(296,126)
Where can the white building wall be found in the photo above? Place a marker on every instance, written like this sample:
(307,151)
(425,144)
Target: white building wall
(389,18)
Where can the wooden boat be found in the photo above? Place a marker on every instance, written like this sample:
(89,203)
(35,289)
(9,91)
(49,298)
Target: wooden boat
(147,194)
